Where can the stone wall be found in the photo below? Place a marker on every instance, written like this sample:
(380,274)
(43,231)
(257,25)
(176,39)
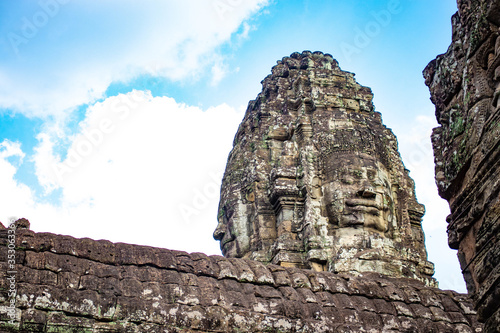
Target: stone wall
(65,284)
(465,88)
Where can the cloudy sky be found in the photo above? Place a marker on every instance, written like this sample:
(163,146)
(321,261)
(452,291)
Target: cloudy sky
(116,117)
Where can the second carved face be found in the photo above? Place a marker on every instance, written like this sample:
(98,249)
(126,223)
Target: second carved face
(357,192)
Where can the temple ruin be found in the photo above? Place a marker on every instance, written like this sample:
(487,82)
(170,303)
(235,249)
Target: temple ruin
(318,219)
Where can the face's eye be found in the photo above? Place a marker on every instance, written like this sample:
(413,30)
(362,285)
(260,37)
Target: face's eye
(229,213)
(371,174)
(357,174)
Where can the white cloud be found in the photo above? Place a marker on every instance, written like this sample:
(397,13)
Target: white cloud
(83,46)
(246,28)
(218,72)
(11,149)
(15,197)
(141,169)
(45,161)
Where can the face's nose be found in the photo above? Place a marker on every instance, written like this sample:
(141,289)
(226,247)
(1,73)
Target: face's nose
(367,191)
(219,232)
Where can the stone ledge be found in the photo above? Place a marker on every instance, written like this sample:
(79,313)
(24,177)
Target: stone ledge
(65,283)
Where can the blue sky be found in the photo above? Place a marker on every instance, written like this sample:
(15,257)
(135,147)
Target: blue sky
(116,117)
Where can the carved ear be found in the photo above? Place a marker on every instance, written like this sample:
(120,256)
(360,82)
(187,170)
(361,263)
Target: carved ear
(484,51)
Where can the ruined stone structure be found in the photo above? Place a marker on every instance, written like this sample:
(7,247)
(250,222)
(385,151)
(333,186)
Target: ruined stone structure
(314,184)
(465,88)
(315,192)
(65,284)
(315,180)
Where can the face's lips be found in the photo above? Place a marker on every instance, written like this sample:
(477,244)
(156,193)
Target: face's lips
(226,240)
(364,206)
(369,203)
(365,209)
(224,245)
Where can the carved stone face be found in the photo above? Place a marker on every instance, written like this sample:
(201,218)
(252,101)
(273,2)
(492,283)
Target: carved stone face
(309,179)
(358,193)
(233,231)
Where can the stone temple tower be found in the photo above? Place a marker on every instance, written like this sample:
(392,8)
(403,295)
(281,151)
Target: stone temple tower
(315,180)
